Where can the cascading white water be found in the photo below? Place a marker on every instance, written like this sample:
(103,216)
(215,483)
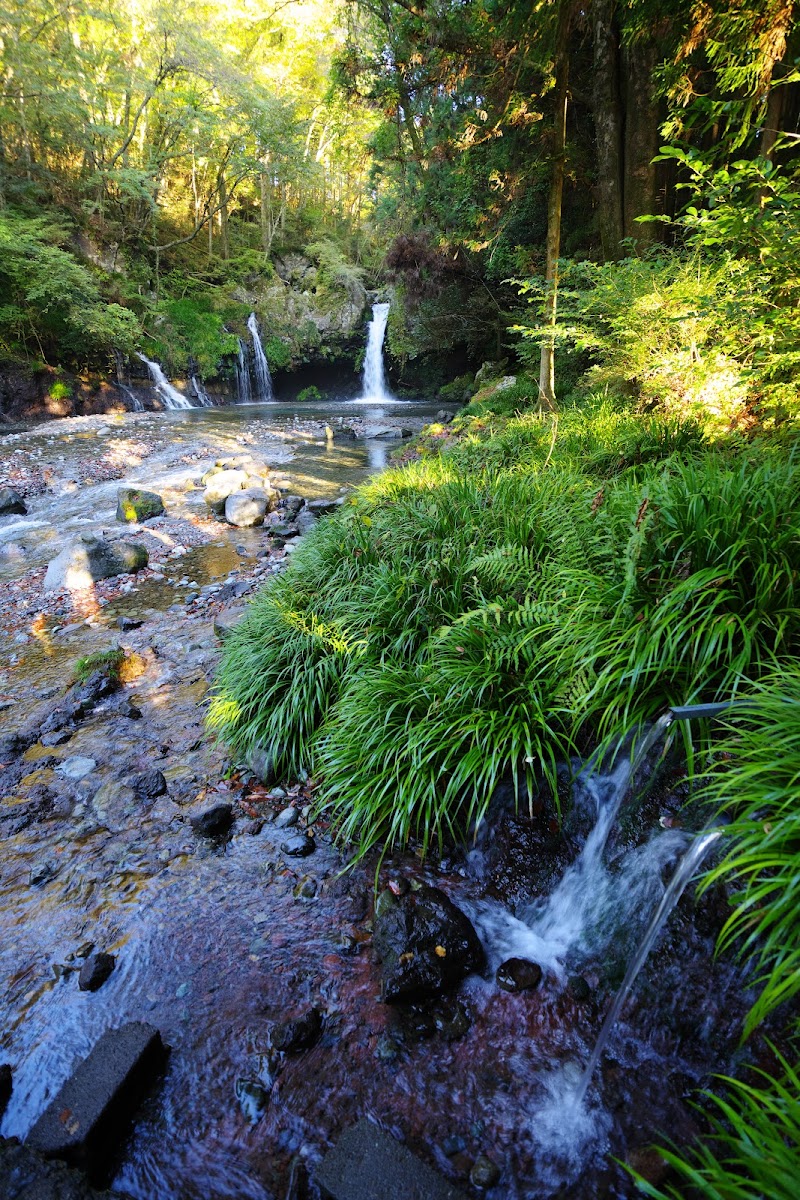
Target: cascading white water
(170,395)
(374,379)
(263,378)
(136,404)
(201,394)
(243,388)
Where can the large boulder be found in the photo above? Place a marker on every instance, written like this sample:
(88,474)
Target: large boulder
(11,503)
(247,508)
(135,504)
(79,566)
(222,484)
(426,945)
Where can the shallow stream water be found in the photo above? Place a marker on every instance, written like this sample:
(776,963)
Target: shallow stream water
(214,942)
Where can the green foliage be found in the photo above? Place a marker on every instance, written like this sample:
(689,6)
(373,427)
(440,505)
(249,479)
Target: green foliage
(189,329)
(53,303)
(109,662)
(334,272)
(279,355)
(752,1149)
(310,395)
(60,390)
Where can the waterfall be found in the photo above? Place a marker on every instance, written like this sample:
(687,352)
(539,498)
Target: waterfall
(136,404)
(200,393)
(170,395)
(677,885)
(263,377)
(374,381)
(243,389)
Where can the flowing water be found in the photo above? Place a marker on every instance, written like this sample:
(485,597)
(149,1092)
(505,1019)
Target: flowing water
(244,391)
(264,392)
(374,376)
(170,395)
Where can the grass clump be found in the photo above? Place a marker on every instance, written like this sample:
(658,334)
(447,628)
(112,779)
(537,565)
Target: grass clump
(108,662)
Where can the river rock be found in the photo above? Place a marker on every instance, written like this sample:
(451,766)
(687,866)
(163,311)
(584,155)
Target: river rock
(95,971)
(25,1175)
(292,505)
(367,1163)
(211,819)
(226,619)
(11,503)
(76,767)
(6,1085)
(305,520)
(220,485)
(101,1097)
(78,566)
(484,1173)
(149,784)
(298,1033)
(262,763)
(299,846)
(319,508)
(288,816)
(444,416)
(426,945)
(247,508)
(518,974)
(135,504)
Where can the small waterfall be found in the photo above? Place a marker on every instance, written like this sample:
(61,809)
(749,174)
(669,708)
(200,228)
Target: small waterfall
(263,377)
(677,885)
(374,381)
(136,404)
(170,395)
(243,389)
(200,393)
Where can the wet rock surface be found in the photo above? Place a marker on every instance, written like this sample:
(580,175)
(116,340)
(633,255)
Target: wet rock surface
(95,971)
(137,504)
(25,1175)
(518,975)
(367,1163)
(86,1121)
(425,943)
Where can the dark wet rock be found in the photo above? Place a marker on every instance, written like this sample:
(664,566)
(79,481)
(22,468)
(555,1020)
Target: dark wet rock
(288,816)
(135,504)
(6,1085)
(11,503)
(579,989)
(291,505)
(367,1163)
(306,889)
(42,873)
(445,416)
(305,520)
(95,971)
(253,1099)
(387,1049)
(298,1033)
(100,1096)
(262,764)
(211,819)
(346,944)
(25,1175)
(454,1144)
(426,945)
(12,744)
(452,1022)
(126,708)
(484,1173)
(319,508)
(149,784)
(126,624)
(57,738)
(227,619)
(79,566)
(298,846)
(518,974)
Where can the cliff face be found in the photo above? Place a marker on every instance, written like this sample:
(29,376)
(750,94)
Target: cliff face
(28,394)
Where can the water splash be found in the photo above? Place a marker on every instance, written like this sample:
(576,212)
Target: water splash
(170,395)
(374,379)
(677,885)
(243,388)
(200,393)
(136,404)
(264,392)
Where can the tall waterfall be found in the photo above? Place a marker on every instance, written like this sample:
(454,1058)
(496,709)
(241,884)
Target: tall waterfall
(374,381)
(170,395)
(243,388)
(263,377)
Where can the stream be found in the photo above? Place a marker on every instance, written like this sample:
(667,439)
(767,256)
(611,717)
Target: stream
(216,940)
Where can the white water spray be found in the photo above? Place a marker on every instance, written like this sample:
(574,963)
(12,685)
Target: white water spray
(200,393)
(244,390)
(170,395)
(263,378)
(374,380)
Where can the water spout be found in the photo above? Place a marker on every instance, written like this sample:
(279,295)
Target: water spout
(243,388)
(170,395)
(374,380)
(677,885)
(264,390)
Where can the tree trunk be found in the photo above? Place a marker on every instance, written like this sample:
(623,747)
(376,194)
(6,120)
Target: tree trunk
(547,383)
(266,213)
(224,246)
(641,141)
(608,126)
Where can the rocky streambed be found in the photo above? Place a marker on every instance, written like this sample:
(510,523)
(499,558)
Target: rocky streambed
(146,879)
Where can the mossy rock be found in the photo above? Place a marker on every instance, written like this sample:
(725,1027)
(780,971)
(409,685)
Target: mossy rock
(133,504)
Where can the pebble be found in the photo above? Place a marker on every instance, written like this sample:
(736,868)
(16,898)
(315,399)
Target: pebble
(484,1173)
(298,846)
(289,816)
(76,767)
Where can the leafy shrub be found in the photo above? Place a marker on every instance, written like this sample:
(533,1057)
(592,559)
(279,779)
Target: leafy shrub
(311,395)
(279,355)
(189,329)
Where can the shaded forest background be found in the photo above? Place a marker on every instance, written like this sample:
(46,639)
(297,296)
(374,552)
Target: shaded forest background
(159,161)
